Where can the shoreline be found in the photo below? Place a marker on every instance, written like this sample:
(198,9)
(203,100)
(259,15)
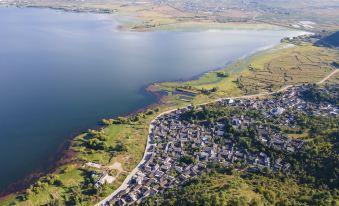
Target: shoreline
(65,153)
(95,11)
(179,25)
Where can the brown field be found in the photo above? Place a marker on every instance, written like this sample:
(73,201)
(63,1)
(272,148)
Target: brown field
(298,65)
(333,80)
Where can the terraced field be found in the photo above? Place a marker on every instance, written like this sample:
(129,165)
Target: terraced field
(333,80)
(298,65)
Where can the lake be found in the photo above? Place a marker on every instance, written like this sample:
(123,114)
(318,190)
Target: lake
(60,73)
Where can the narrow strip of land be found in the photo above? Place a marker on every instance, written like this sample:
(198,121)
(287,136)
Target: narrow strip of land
(124,185)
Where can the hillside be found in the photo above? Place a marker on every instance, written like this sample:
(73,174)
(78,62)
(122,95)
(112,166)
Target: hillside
(238,190)
(330,41)
(304,176)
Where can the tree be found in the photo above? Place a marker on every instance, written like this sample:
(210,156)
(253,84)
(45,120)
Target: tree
(107,121)
(187,159)
(223,74)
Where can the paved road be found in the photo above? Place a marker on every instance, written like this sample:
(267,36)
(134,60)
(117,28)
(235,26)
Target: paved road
(124,185)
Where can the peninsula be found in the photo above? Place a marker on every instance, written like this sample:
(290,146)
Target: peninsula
(260,131)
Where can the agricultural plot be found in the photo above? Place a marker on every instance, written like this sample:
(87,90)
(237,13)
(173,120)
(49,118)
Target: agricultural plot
(297,65)
(333,80)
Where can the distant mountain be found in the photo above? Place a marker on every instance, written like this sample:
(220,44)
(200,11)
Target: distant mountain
(331,40)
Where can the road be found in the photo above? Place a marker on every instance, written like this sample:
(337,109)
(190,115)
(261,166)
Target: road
(124,185)
(328,76)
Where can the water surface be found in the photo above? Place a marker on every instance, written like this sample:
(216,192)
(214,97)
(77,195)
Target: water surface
(62,72)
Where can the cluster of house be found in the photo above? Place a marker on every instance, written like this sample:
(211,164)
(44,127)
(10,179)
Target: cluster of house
(102,179)
(99,178)
(180,150)
(309,38)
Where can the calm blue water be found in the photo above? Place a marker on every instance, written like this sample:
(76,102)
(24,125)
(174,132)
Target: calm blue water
(62,72)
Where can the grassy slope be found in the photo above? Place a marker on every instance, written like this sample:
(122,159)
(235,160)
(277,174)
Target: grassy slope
(134,135)
(297,65)
(333,80)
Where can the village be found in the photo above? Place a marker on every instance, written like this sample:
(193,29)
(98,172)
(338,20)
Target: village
(179,150)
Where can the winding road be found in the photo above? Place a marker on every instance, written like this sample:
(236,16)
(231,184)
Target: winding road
(124,185)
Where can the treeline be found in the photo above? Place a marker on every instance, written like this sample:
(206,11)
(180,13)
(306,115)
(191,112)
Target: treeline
(131,119)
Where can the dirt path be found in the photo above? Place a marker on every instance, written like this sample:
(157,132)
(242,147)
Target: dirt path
(329,76)
(116,166)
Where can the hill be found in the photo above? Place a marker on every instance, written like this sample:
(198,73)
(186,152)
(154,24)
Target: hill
(310,177)
(330,41)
